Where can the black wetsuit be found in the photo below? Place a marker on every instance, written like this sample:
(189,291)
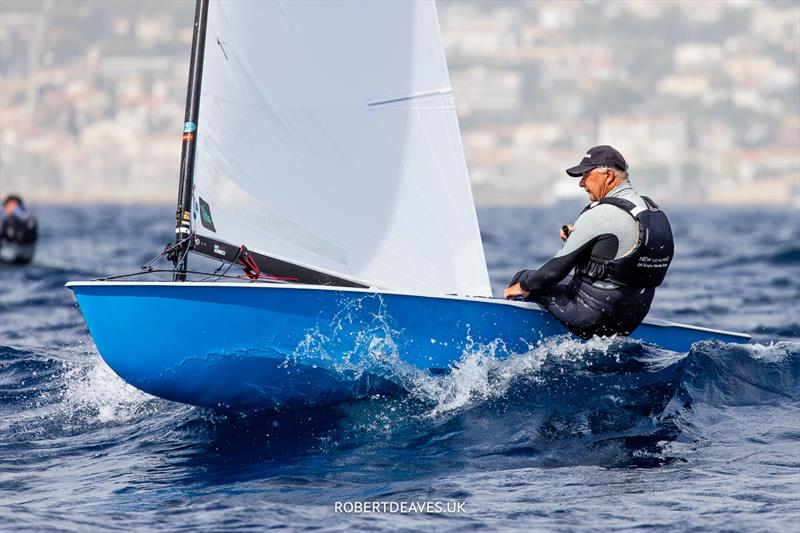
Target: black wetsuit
(620,249)
(18,235)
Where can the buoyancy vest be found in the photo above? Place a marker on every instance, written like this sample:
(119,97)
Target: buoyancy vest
(646,265)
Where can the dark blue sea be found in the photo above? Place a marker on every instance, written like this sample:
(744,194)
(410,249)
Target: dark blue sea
(605,434)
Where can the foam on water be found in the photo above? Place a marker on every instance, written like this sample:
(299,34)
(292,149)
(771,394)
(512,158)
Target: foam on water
(483,372)
(95,394)
(478,375)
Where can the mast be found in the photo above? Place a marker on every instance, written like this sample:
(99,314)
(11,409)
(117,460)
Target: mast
(183,214)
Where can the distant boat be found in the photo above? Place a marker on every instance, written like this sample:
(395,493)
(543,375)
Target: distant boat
(564,189)
(324,156)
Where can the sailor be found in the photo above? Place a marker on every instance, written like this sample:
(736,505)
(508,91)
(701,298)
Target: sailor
(619,248)
(18,232)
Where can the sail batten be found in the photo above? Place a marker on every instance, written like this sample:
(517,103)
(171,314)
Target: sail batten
(441,92)
(329,138)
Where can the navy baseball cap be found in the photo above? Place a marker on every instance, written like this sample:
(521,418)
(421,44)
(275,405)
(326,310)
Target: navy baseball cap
(598,156)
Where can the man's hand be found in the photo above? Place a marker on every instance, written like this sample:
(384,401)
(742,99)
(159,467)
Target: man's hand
(514,291)
(564,234)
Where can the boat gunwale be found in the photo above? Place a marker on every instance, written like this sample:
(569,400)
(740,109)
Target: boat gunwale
(653,322)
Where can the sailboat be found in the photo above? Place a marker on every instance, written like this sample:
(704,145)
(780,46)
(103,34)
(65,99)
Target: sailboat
(322,154)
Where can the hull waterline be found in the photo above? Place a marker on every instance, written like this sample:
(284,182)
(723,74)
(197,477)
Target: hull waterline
(243,346)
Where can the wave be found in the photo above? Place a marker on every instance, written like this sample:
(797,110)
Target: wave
(787,256)
(57,392)
(609,402)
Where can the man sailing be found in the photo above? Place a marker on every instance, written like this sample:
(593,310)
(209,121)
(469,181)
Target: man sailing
(18,232)
(619,247)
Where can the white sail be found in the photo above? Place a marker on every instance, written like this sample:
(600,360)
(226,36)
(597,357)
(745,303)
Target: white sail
(328,137)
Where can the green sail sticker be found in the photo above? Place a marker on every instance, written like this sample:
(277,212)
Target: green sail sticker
(205,216)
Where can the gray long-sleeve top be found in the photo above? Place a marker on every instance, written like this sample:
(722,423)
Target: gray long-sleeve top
(604,231)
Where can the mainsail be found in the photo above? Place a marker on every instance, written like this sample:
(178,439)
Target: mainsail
(328,138)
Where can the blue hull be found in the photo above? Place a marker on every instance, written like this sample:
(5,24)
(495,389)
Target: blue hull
(243,346)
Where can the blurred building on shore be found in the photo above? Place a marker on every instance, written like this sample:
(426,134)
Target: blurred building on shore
(701,98)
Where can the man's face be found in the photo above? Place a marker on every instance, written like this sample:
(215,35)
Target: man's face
(9,207)
(594,182)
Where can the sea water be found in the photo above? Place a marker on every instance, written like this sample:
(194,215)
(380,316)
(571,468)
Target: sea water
(570,436)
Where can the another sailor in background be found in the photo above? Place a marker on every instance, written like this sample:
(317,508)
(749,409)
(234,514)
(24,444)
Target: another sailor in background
(620,248)
(18,233)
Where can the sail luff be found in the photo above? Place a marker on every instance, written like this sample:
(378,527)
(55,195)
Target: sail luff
(183,214)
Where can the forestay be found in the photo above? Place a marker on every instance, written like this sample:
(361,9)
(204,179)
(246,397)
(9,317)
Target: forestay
(328,137)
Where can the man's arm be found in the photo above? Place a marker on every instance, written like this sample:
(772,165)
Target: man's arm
(553,271)
(588,230)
